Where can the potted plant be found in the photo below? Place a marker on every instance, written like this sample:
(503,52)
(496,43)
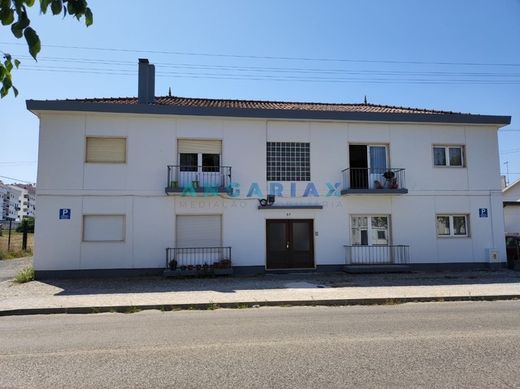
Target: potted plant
(195,183)
(174,184)
(223,267)
(173,264)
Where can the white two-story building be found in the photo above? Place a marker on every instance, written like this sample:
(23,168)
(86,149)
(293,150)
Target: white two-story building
(137,185)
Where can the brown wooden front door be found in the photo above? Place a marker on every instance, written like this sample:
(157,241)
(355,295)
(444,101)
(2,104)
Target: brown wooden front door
(290,243)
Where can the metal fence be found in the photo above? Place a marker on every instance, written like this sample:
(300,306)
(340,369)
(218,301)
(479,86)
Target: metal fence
(198,258)
(198,177)
(13,241)
(377,255)
(373,179)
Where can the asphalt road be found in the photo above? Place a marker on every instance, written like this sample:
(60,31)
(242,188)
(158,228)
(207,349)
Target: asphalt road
(413,345)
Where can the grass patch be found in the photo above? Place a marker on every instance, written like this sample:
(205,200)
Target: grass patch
(25,275)
(16,245)
(132,309)
(15,254)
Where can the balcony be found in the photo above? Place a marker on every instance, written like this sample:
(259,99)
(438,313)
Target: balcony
(373,181)
(194,261)
(387,258)
(190,180)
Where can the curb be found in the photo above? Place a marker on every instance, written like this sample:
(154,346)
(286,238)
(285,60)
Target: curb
(248,304)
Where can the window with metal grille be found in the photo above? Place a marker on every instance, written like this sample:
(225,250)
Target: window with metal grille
(288,161)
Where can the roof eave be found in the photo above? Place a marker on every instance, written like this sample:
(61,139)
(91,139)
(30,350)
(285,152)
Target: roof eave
(454,118)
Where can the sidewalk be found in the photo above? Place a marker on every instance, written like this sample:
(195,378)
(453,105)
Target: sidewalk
(98,295)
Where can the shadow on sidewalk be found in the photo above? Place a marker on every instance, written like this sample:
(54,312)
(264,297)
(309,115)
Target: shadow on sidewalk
(93,286)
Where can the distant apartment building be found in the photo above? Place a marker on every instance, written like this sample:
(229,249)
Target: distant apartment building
(17,201)
(4,195)
(27,201)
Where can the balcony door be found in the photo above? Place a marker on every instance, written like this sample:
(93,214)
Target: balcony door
(199,163)
(370,239)
(290,244)
(367,165)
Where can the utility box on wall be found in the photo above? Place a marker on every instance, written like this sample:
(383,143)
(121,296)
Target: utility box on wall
(492,255)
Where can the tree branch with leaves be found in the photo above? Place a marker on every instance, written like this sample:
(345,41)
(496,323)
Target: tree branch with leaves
(14,13)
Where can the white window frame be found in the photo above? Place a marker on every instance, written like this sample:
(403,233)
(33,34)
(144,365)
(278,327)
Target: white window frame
(369,228)
(106,137)
(452,229)
(447,155)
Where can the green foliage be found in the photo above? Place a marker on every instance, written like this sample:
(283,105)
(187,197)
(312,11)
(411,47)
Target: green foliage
(14,13)
(25,275)
(26,224)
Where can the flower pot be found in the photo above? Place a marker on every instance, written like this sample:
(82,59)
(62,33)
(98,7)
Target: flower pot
(195,184)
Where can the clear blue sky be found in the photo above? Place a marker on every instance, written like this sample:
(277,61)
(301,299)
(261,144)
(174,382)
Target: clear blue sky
(399,52)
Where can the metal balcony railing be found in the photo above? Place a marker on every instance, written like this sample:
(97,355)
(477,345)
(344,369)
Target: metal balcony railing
(373,180)
(198,258)
(377,255)
(198,178)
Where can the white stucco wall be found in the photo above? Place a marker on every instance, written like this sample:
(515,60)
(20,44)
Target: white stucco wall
(136,189)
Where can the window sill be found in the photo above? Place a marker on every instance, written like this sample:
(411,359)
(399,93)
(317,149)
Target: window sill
(449,167)
(453,237)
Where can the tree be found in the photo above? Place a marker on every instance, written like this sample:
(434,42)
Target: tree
(14,13)
(27,224)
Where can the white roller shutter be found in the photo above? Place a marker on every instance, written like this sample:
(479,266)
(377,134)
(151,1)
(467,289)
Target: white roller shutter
(107,150)
(199,231)
(199,146)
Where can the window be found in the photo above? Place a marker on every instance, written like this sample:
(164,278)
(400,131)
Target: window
(288,161)
(370,230)
(448,156)
(199,155)
(103,228)
(210,162)
(106,150)
(188,162)
(452,225)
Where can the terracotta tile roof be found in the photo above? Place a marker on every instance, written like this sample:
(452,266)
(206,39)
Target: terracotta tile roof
(173,105)
(175,101)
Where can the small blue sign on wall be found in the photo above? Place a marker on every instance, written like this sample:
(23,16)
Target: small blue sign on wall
(64,213)
(483,212)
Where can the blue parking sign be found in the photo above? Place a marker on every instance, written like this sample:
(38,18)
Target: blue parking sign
(483,212)
(64,213)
